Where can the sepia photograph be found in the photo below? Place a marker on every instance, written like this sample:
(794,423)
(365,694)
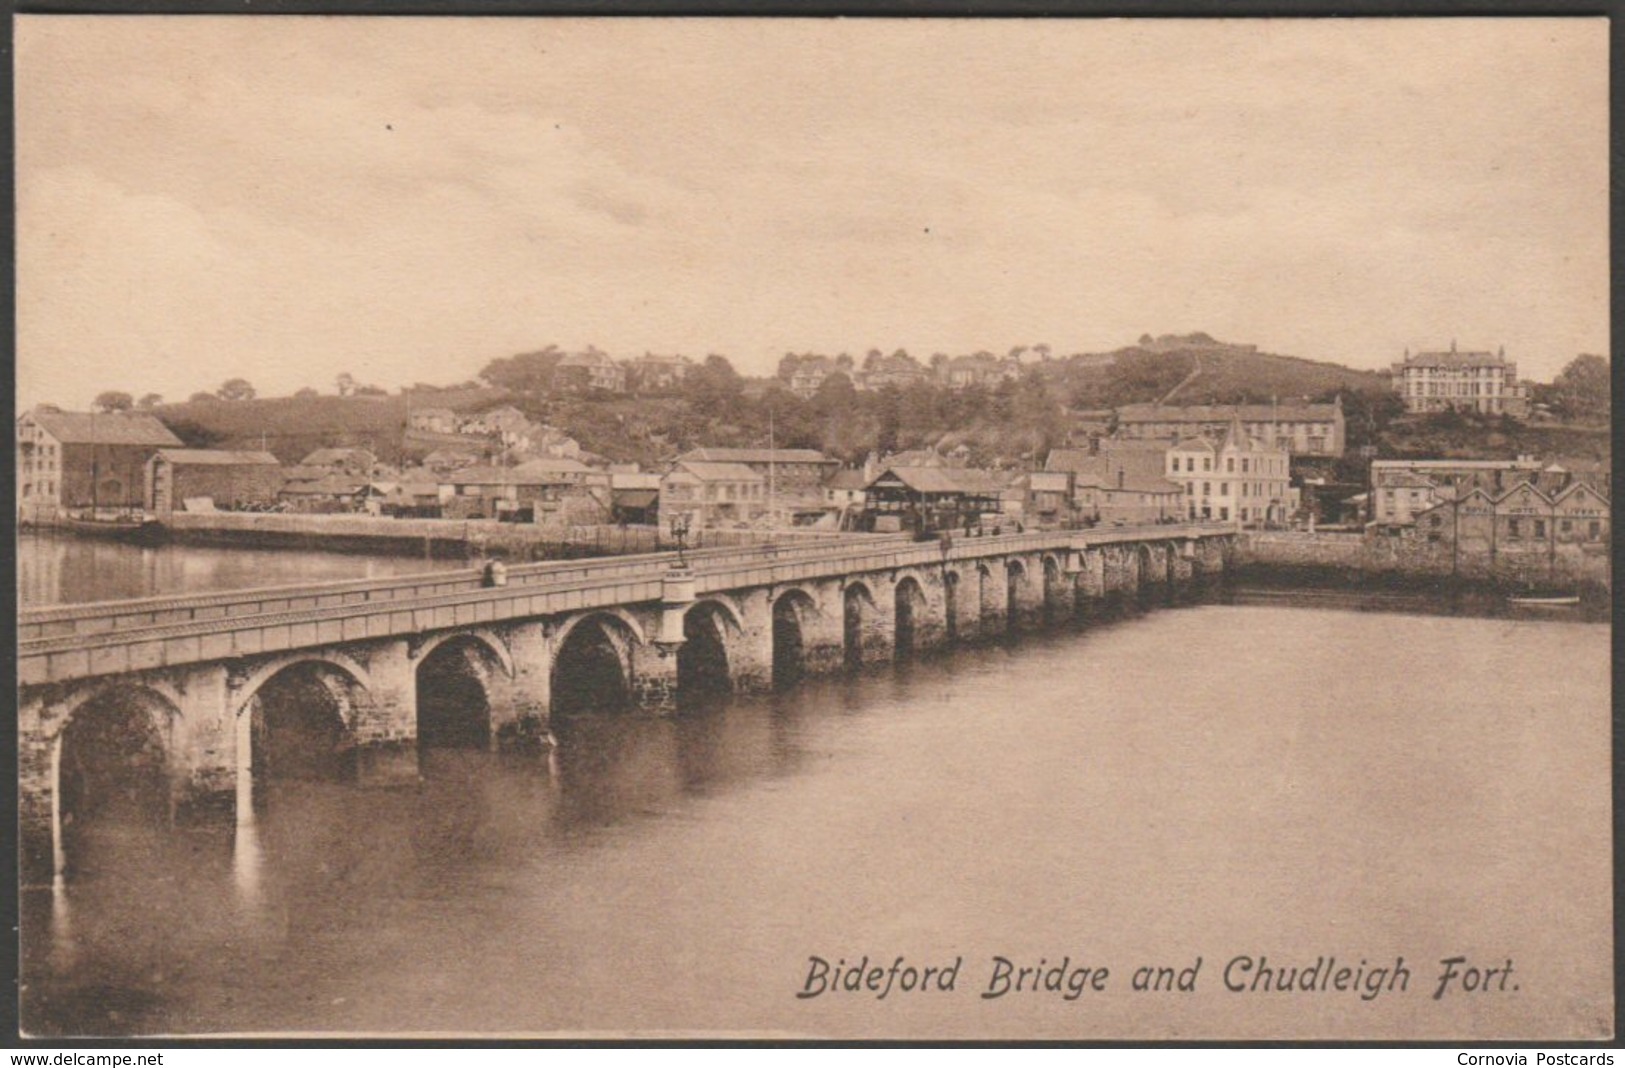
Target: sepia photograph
(813,530)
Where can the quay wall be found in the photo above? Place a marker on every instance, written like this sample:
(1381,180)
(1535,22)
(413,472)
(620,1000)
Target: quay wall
(1361,558)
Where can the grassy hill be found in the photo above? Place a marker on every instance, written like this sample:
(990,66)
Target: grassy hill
(1196,369)
(292,427)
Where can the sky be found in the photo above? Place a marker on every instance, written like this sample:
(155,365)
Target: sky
(288,199)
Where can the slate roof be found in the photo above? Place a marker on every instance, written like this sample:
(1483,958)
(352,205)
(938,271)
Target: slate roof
(756,456)
(1219,413)
(965,480)
(220,457)
(97,428)
(718,472)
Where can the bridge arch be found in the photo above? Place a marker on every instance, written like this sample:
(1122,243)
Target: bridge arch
(621,615)
(1015,576)
(266,670)
(910,607)
(1054,588)
(453,677)
(702,660)
(110,772)
(302,712)
(793,609)
(855,597)
(592,663)
(493,645)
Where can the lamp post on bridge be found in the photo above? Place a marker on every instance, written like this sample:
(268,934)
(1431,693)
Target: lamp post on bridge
(676,593)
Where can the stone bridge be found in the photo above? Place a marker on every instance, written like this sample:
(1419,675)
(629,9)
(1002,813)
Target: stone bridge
(180,704)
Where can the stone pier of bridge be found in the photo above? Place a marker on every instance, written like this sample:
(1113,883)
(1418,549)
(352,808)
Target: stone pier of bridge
(188,700)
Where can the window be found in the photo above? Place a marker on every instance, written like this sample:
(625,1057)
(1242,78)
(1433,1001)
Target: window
(1207,488)
(1230,465)
(1595,529)
(1512,529)
(1540,528)
(1224,513)
(1207,463)
(1437,521)
(1224,489)
(1190,463)
(1244,465)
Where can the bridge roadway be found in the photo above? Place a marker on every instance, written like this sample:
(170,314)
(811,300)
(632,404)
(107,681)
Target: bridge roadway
(193,675)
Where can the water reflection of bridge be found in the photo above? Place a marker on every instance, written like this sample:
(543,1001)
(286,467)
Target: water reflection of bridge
(177,705)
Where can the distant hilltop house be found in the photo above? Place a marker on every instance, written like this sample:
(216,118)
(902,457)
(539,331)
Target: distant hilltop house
(506,424)
(650,373)
(582,372)
(899,369)
(810,374)
(434,420)
(980,369)
(1485,382)
(85,460)
(1301,429)
(342,461)
(225,478)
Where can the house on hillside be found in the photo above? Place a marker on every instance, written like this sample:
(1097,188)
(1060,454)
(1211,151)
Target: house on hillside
(657,374)
(228,479)
(583,372)
(79,460)
(433,420)
(899,369)
(1484,382)
(1300,428)
(981,369)
(810,374)
(506,425)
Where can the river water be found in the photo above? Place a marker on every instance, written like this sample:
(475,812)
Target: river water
(1283,780)
(55,568)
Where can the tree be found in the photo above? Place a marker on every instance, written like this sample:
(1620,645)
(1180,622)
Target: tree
(236,389)
(371,391)
(714,388)
(1580,391)
(114,401)
(528,372)
(307,392)
(345,383)
(202,398)
(150,400)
